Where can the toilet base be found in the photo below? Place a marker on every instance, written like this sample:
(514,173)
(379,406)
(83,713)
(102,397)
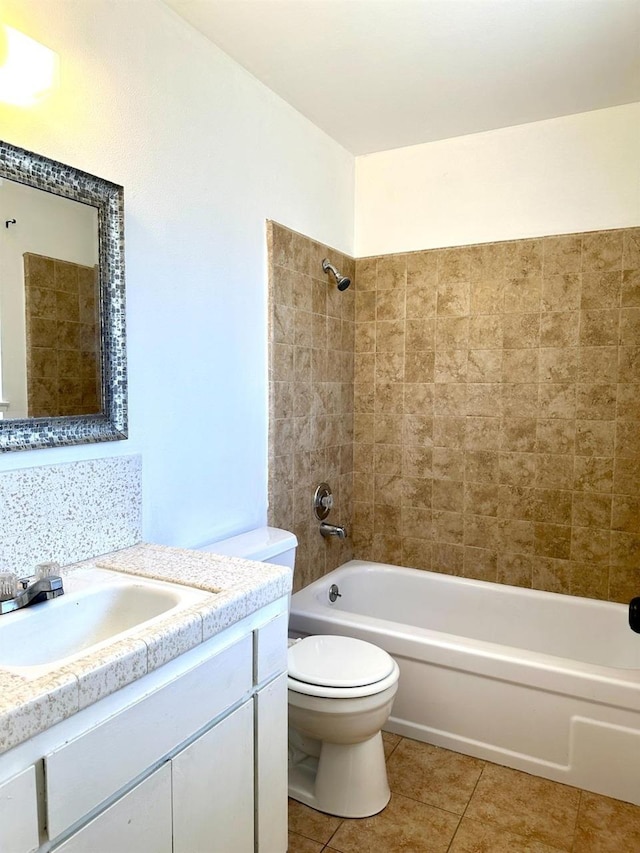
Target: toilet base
(346,780)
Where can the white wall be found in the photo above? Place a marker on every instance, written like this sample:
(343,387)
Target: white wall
(575,173)
(206,154)
(46,224)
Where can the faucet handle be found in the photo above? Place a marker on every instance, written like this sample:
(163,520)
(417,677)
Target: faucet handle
(46,570)
(8,585)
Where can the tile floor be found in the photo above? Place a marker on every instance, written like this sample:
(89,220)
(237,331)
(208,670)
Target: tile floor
(444,802)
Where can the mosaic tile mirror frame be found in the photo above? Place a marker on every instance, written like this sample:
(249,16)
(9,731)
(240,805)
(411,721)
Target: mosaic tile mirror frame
(108,421)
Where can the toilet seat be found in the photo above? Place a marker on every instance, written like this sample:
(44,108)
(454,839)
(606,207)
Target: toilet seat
(339,667)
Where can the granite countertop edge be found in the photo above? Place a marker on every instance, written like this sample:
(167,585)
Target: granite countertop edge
(237,589)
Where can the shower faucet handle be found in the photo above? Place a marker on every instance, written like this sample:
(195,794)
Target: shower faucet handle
(322,501)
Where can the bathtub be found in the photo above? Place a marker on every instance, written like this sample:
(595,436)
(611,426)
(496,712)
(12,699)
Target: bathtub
(545,683)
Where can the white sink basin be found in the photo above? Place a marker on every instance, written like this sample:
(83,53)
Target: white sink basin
(98,607)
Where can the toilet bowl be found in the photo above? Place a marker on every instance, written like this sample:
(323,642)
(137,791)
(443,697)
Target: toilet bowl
(340,693)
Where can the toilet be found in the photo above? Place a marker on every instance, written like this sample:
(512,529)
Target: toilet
(340,693)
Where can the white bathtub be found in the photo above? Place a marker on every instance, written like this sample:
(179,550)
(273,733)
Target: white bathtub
(545,683)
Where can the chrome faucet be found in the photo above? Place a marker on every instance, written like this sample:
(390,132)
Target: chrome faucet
(327,530)
(33,590)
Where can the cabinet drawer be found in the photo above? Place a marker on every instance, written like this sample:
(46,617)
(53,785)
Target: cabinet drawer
(271,648)
(88,770)
(19,813)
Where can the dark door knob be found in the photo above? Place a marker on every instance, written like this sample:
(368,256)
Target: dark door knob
(634,614)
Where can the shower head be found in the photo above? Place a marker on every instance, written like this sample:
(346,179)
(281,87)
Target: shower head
(341,280)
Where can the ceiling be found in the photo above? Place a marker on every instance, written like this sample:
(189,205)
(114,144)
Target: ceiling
(381,74)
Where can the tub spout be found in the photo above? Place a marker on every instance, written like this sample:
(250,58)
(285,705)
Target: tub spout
(327,530)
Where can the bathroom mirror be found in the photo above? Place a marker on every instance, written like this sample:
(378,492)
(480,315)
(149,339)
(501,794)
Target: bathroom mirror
(63,373)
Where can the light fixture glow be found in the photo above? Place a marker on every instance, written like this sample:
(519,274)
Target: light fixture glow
(28,69)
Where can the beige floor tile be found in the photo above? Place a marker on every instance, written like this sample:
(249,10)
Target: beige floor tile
(535,808)
(310,823)
(474,837)
(405,826)
(433,775)
(607,826)
(389,741)
(300,844)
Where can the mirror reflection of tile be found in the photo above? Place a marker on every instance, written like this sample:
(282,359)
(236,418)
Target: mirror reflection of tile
(63,337)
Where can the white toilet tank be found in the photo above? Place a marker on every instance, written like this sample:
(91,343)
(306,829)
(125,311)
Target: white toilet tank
(264,544)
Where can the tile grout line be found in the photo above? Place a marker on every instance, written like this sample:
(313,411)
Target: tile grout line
(575,827)
(467,806)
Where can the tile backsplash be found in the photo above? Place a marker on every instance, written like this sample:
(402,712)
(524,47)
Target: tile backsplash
(69,512)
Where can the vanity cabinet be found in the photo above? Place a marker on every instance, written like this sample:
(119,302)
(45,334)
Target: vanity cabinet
(189,758)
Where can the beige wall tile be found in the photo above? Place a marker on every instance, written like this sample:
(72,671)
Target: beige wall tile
(481,498)
(391,272)
(419,335)
(515,569)
(599,328)
(419,366)
(518,401)
(485,331)
(420,301)
(523,259)
(450,366)
(561,292)
(496,391)
(449,431)
(422,269)
(562,254)
(417,553)
(487,296)
(454,265)
(520,365)
(484,365)
(630,288)
(552,575)
(596,402)
(602,250)
(589,581)
(481,466)
(626,476)
(521,330)
(522,295)
(452,332)
(416,523)
(559,329)
(447,527)
(601,290)
(557,364)
(628,401)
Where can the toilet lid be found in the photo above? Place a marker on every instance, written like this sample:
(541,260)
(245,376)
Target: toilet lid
(330,661)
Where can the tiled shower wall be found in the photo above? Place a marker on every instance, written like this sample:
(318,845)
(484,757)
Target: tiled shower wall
(311,360)
(497,412)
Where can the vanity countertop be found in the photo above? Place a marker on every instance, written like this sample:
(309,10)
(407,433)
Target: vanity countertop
(238,588)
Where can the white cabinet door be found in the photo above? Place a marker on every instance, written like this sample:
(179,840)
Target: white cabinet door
(139,821)
(271,766)
(19,813)
(213,789)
